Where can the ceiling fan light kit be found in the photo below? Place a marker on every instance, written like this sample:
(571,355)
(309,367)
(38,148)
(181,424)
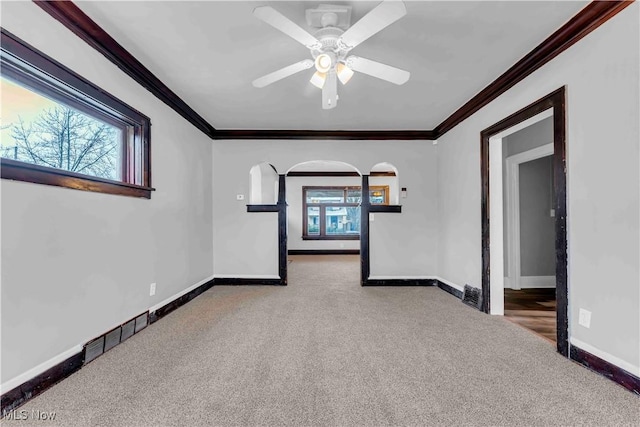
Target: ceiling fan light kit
(331,44)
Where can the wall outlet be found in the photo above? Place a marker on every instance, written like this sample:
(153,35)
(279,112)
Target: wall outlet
(584,318)
(552,213)
(371,217)
(152,289)
(239,196)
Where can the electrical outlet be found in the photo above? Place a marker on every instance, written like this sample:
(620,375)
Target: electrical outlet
(371,217)
(584,318)
(152,289)
(239,196)
(552,213)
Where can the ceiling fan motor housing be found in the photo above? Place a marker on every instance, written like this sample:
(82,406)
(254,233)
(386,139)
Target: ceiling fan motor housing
(326,15)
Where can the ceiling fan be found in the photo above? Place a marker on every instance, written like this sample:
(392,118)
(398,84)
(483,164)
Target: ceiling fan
(331,44)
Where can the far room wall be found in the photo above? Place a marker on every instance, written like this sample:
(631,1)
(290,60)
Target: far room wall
(537,227)
(403,244)
(600,73)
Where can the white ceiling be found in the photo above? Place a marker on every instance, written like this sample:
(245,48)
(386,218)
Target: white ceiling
(210,52)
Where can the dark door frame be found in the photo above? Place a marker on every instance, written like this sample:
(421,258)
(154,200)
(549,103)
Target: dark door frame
(555,100)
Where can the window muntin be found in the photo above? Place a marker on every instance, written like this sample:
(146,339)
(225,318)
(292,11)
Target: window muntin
(59,129)
(333,213)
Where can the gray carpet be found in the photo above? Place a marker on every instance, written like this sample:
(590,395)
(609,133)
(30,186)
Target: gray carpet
(325,351)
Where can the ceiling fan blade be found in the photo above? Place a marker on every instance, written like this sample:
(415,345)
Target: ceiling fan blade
(330,91)
(282,73)
(379,70)
(287,26)
(383,15)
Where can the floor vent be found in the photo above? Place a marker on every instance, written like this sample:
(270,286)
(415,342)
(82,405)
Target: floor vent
(94,349)
(106,342)
(472,297)
(141,322)
(128,329)
(112,339)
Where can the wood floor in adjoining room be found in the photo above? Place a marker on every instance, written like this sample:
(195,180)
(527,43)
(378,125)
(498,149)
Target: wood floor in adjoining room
(534,309)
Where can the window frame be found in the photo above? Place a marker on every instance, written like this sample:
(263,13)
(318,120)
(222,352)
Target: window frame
(322,213)
(42,74)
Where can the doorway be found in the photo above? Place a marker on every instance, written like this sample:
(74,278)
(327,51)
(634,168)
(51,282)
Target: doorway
(493,224)
(529,236)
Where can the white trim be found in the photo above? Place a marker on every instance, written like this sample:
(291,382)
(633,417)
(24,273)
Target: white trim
(400,277)
(34,372)
(629,367)
(246,276)
(537,282)
(446,282)
(513,209)
(179,294)
(496,230)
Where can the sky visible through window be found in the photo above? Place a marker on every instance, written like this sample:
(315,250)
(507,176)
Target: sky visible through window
(37,130)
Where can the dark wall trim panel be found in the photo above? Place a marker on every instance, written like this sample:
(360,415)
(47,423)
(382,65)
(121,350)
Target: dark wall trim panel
(24,392)
(325,134)
(385,208)
(154,316)
(239,281)
(72,17)
(263,208)
(449,289)
(606,369)
(401,282)
(324,251)
(588,19)
(321,174)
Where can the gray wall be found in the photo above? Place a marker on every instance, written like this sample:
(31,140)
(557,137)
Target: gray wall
(76,264)
(537,226)
(536,135)
(600,73)
(526,139)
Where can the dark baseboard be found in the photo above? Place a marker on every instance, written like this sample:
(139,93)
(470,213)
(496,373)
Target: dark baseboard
(399,282)
(180,301)
(239,281)
(94,348)
(30,389)
(606,369)
(324,251)
(450,289)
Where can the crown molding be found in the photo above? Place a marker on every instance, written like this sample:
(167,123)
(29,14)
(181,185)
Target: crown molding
(72,17)
(324,134)
(588,19)
(584,22)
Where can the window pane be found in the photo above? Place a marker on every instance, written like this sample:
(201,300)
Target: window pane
(342,220)
(377,196)
(354,196)
(313,220)
(44,132)
(325,196)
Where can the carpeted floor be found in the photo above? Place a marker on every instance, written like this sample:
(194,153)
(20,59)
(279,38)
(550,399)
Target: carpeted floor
(325,351)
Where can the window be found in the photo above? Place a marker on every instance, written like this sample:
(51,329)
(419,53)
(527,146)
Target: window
(59,129)
(334,212)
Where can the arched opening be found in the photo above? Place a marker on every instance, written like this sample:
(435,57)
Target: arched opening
(323,197)
(384,184)
(264,184)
